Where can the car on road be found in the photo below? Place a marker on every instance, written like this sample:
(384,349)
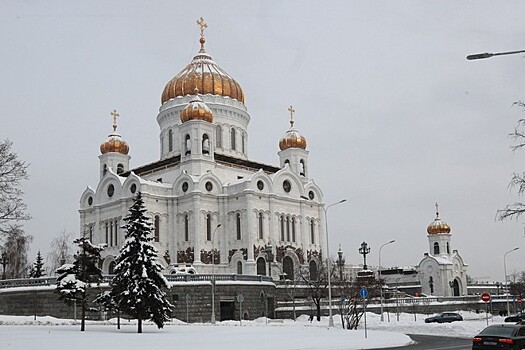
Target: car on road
(500,336)
(515,318)
(444,317)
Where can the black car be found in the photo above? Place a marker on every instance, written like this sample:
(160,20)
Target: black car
(501,336)
(515,318)
(444,317)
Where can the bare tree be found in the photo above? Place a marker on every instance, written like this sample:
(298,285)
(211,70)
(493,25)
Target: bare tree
(517,181)
(16,247)
(61,251)
(317,283)
(12,172)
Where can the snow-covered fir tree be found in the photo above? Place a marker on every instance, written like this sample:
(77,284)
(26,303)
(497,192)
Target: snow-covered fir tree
(74,279)
(37,268)
(138,282)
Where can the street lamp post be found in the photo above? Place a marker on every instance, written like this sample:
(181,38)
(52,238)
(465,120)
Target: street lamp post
(380,282)
(480,56)
(330,318)
(213,275)
(505,271)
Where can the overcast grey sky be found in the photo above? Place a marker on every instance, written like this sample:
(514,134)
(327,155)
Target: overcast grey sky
(395,117)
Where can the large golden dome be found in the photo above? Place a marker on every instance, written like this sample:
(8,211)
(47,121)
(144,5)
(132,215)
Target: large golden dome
(438,226)
(196,110)
(292,138)
(114,142)
(204,74)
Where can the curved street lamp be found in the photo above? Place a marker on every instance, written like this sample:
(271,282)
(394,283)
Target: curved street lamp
(505,270)
(380,283)
(480,56)
(213,275)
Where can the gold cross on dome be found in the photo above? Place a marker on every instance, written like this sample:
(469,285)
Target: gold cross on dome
(202,25)
(292,111)
(437,209)
(115,115)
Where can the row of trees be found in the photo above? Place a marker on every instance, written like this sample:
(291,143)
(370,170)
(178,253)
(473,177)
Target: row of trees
(136,289)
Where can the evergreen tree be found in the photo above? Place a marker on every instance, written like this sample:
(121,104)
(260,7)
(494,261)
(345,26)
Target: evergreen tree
(74,279)
(138,282)
(37,268)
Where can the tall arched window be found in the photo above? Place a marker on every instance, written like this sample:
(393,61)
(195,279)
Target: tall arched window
(187,144)
(157,228)
(208,227)
(288,268)
(313,270)
(436,248)
(312,231)
(110,234)
(288,229)
(232,135)
(302,168)
(111,268)
(448,248)
(238,225)
(243,139)
(170,140)
(91,233)
(107,233)
(261,230)
(105,170)
(120,168)
(239,267)
(282,227)
(205,144)
(115,224)
(261,266)
(218,136)
(293,229)
(186,228)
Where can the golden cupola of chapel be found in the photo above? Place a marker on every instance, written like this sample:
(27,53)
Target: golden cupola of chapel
(114,142)
(196,110)
(438,226)
(292,138)
(202,74)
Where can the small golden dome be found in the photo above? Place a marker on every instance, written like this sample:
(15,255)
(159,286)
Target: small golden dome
(204,74)
(438,226)
(196,110)
(292,138)
(114,142)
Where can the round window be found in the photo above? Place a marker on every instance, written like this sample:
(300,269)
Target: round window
(260,185)
(287,186)
(209,186)
(184,186)
(90,200)
(133,188)
(111,190)
(311,195)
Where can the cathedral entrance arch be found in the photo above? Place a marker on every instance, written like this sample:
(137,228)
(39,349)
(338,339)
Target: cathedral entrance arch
(288,268)
(261,266)
(111,268)
(455,288)
(313,270)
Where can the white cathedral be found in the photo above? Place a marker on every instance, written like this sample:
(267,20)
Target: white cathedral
(209,203)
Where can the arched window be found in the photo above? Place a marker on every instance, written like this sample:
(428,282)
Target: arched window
(187,144)
(115,224)
(120,169)
(287,162)
(105,169)
(261,266)
(218,136)
(232,135)
(436,248)
(238,225)
(91,233)
(107,233)
(261,230)
(205,144)
(157,228)
(288,229)
(448,248)
(293,229)
(170,140)
(288,268)
(208,227)
(242,142)
(111,268)
(313,270)
(239,267)
(282,227)
(302,168)
(186,228)
(312,231)
(110,234)
(431,284)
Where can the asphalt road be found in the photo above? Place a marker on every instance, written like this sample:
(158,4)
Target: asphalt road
(432,342)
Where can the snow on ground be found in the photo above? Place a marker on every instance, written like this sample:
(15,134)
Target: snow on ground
(22,332)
